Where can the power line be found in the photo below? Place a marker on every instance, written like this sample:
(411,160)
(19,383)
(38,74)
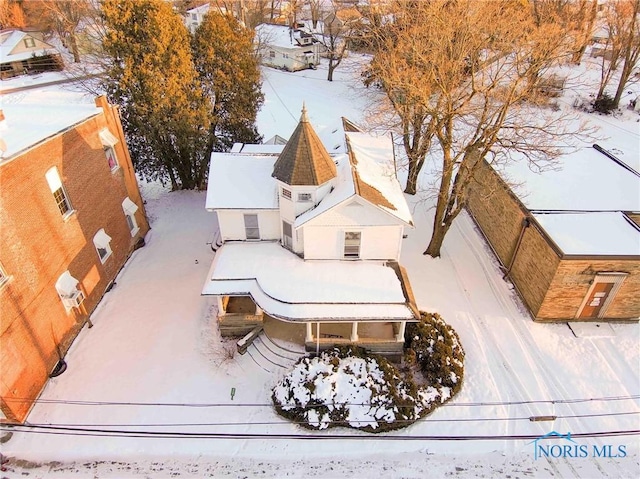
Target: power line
(75,431)
(288,422)
(235,405)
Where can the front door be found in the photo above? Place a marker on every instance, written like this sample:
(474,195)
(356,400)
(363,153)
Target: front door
(596,300)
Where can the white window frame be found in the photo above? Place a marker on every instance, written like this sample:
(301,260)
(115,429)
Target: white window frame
(348,245)
(102,242)
(305,197)
(129,208)
(59,193)
(4,277)
(287,244)
(286,193)
(109,141)
(249,230)
(29,42)
(67,288)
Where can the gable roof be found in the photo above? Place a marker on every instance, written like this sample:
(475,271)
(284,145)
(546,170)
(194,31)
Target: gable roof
(304,160)
(367,174)
(10,39)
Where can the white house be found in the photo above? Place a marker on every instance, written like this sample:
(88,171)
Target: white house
(312,240)
(290,49)
(24,52)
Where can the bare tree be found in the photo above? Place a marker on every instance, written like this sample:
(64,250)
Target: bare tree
(338,27)
(64,17)
(11,15)
(622,45)
(464,76)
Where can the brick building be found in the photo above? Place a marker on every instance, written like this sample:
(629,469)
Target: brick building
(71,215)
(568,238)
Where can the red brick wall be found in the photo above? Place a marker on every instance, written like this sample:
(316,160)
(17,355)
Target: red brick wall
(37,245)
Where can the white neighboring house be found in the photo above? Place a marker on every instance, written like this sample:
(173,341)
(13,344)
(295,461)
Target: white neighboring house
(287,48)
(24,52)
(194,17)
(311,242)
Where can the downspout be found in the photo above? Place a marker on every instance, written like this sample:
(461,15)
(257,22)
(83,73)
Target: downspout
(526,222)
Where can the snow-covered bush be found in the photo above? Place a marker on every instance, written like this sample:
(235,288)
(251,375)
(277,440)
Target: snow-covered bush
(347,387)
(436,348)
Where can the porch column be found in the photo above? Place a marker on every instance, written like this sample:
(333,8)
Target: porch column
(401,328)
(221,311)
(354,332)
(309,337)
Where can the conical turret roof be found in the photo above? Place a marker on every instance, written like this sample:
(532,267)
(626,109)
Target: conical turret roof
(304,160)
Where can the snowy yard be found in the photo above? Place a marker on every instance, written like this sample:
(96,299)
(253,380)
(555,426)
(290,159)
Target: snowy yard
(154,361)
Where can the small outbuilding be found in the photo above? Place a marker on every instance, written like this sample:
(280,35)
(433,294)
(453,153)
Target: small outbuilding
(568,238)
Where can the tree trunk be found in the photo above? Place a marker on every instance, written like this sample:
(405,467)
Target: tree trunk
(331,69)
(74,47)
(437,238)
(412,177)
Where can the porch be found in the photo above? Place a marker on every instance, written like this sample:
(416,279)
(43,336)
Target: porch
(238,315)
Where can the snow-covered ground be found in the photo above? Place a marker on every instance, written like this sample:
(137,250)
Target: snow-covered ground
(154,362)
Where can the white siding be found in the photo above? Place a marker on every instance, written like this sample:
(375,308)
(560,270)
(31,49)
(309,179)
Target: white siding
(377,242)
(355,213)
(232,224)
(292,59)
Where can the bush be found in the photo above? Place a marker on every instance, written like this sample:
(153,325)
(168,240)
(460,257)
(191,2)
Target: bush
(436,348)
(348,387)
(604,104)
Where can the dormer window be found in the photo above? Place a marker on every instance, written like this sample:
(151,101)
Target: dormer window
(304,197)
(29,42)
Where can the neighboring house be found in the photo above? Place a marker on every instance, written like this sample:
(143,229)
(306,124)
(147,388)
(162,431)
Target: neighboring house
(22,52)
(287,48)
(339,20)
(568,238)
(71,216)
(311,241)
(194,17)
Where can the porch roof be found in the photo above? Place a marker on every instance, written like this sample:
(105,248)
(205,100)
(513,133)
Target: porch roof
(290,288)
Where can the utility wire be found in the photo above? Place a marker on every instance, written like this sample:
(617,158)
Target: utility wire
(239,405)
(288,422)
(73,431)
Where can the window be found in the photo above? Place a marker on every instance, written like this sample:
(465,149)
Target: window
(304,196)
(272,54)
(287,238)
(4,277)
(70,295)
(59,194)
(130,208)
(251,227)
(29,42)
(108,142)
(194,16)
(101,241)
(351,244)
(286,193)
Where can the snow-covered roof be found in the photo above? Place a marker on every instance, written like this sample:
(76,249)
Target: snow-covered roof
(288,287)
(202,9)
(602,233)
(280,36)
(238,181)
(585,180)
(9,41)
(367,173)
(26,125)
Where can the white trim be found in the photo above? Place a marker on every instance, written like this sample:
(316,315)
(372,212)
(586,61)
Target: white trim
(129,206)
(101,240)
(616,278)
(107,138)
